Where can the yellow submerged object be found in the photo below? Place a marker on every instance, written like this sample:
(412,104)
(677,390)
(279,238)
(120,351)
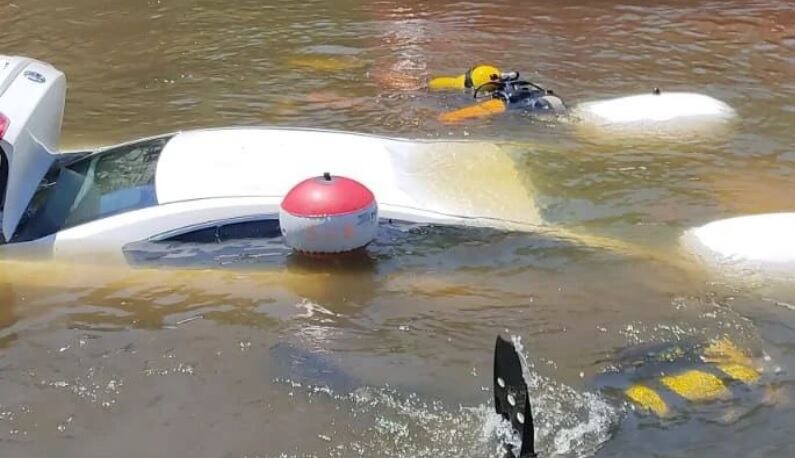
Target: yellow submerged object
(731,361)
(474,77)
(739,372)
(648,399)
(724,351)
(481,110)
(695,384)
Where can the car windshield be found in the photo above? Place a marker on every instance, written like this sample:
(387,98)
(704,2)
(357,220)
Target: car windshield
(100,185)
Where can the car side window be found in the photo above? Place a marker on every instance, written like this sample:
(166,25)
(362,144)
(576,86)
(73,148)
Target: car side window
(225,232)
(118,181)
(93,187)
(230,243)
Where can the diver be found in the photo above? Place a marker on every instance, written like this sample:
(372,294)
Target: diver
(504,91)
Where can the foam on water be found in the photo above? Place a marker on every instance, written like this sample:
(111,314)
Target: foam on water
(399,424)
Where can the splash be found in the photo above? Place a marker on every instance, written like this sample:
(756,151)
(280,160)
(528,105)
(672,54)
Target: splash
(399,424)
(568,422)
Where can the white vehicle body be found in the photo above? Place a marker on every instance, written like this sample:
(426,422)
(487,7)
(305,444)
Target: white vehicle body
(153,189)
(659,116)
(93,204)
(209,177)
(763,243)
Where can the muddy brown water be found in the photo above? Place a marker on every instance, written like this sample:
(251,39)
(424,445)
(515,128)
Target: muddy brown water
(392,355)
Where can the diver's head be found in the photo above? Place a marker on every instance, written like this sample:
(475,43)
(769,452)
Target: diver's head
(480,75)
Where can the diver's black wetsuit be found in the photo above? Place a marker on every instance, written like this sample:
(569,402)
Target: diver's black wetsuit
(522,95)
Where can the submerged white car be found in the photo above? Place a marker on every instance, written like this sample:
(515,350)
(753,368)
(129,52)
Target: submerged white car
(219,183)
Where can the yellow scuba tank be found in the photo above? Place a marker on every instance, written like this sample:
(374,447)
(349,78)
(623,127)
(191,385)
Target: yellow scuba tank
(474,77)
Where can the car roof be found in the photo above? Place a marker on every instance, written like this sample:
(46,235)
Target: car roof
(429,175)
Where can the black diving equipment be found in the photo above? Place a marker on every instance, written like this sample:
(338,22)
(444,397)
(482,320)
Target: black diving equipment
(508,92)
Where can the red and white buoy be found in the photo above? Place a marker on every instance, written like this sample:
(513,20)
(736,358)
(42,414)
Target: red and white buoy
(328,215)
